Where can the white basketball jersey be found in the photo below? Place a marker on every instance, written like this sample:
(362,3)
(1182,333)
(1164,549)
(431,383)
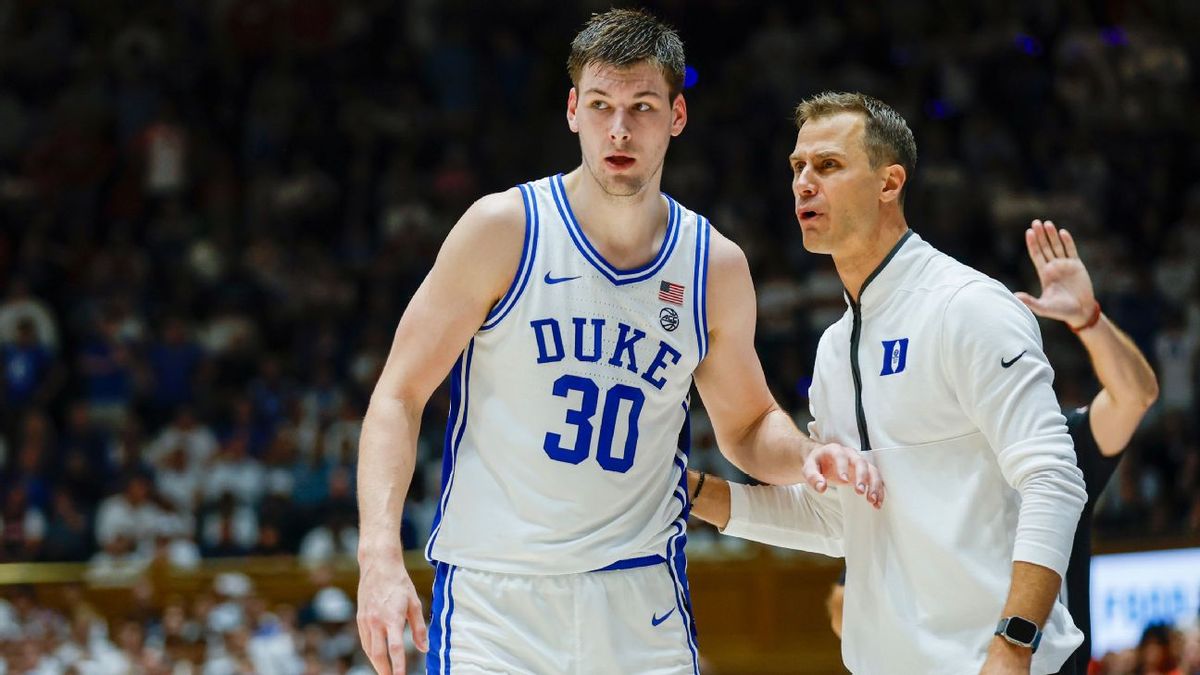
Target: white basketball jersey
(563,450)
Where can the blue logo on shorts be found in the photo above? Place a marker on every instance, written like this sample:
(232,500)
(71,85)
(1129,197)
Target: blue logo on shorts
(654,620)
(895,355)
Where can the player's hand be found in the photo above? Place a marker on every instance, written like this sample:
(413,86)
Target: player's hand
(386,600)
(833,463)
(1067,293)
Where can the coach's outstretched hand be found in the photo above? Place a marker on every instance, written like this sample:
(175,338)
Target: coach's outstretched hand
(838,464)
(1067,293)
(386,600)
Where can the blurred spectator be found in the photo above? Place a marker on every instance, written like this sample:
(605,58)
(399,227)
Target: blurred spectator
(68,532)
(131,515)
(1176,350)
(30,371)
(186,433)
(233,472)
(20,305)
(228,529)
(178,481)
(22,527)
(335,537)
(1157,652)
(176,364)
(107,365)
(85,452)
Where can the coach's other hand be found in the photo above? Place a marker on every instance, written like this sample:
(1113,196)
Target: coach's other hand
(386,600)
(838,464)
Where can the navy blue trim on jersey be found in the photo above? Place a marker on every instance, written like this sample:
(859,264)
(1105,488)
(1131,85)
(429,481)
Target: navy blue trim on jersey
(677,567)
(700,285)
(632,563)
(524,268)
(456,425)
(617,276)
(437,661)
(677,543)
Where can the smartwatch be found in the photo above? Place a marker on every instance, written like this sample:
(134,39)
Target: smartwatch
(1019,631)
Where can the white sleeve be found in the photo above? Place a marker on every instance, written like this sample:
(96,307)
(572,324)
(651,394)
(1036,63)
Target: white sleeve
(791,516)
(992,354)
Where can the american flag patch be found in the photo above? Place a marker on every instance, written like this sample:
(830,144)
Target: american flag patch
(669,292)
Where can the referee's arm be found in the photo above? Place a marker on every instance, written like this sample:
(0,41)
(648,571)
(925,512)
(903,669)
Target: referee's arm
(1128,384)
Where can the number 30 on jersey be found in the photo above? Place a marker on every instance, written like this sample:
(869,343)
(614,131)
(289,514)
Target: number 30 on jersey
(618,397)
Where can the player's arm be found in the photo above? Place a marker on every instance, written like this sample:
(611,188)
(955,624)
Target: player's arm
(751,429)
(474,268)
(790,516)
(1129,385)
(1014,407)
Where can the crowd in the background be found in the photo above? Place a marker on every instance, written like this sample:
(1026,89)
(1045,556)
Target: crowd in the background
(212,214)
(229,629)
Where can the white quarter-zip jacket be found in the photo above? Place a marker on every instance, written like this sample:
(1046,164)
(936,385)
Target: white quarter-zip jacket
(938,374)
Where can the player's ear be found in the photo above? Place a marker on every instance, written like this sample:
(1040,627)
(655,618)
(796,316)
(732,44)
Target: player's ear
(572,106)
(678,115)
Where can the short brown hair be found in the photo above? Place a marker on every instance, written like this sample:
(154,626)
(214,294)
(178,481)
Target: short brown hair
(887,137)
(623,37)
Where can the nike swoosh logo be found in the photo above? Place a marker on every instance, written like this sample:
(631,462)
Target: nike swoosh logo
(1005,364)
(558,280)
(654,620)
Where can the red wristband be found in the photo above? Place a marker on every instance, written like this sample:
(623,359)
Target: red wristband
(1090,322)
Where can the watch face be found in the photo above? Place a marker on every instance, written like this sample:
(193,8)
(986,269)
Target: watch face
(1021,630)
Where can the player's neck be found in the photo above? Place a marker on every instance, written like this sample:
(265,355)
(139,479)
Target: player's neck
(854,266)
(627,231)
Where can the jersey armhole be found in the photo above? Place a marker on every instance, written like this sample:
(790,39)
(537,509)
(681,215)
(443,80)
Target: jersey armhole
(524,268)
(700,286)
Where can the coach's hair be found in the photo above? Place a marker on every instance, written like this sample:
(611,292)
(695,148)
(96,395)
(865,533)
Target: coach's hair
(887,137)
(624,37)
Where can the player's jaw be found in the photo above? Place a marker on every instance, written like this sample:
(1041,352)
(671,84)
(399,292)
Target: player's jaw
(622,173)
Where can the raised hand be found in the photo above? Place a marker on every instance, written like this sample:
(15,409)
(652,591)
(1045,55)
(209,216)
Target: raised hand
(1067,293)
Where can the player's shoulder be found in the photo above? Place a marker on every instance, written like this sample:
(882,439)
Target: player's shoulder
(726,260)
(498,213)
(485,245)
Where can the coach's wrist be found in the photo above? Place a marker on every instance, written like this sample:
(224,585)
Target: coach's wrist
(1001,652)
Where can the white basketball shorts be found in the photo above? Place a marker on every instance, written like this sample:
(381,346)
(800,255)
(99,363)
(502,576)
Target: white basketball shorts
(633,619)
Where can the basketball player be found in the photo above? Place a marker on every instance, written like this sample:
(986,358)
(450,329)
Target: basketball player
(576,310)
(938,373)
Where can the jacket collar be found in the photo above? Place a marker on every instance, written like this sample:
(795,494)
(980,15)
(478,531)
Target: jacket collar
(891,272)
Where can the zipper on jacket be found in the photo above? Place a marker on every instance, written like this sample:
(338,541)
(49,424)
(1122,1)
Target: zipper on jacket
(856,334)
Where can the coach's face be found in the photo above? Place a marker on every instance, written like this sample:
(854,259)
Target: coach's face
(837,193)
(625,120)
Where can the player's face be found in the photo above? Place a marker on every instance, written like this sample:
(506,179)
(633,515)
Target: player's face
(625,120)
(836,191)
